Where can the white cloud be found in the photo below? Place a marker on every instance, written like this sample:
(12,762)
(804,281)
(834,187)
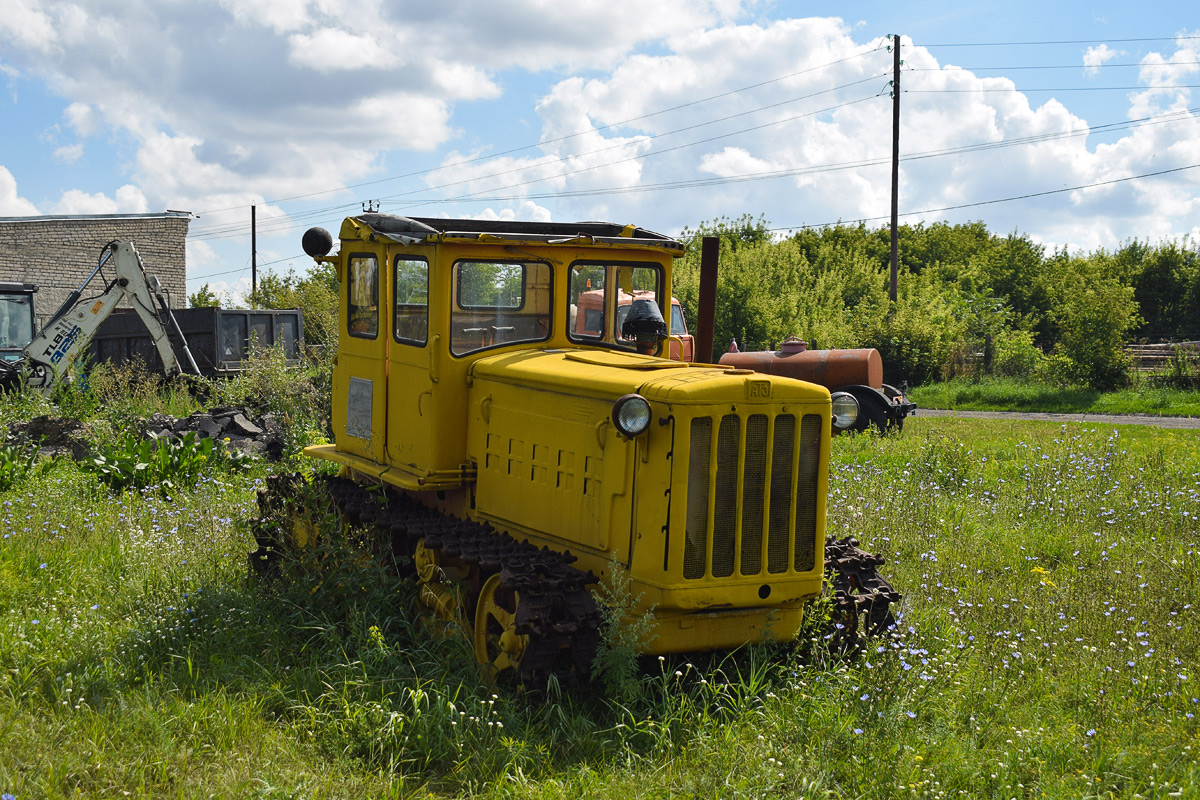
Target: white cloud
(11,203)
(69,154)
(525,210)
(735,161)
(281,16)
(129,200)
(1164,75)
(28,25)
(841,153)
(334,50)
(221,103)
(1096,57)
(82,118)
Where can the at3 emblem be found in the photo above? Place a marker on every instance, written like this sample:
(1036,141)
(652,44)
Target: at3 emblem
(758,390)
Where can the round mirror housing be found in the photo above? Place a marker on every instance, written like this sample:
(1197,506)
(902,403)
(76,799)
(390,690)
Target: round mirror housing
(317,242)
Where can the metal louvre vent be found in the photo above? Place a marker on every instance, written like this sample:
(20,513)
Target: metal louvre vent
(754,490)
(781,494)
(806,492)
(757,483)
(696,538)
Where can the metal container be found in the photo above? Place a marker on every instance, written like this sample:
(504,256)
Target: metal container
(832,369)
(220,338)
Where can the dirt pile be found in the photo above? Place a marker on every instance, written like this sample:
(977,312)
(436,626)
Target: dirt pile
(242,429)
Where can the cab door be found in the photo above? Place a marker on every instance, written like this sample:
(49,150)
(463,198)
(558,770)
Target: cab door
(360,374)
(412,363)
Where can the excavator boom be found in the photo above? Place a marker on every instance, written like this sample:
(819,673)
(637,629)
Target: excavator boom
(53,351)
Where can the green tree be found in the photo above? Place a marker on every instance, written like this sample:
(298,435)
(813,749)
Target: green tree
(316,294)
(203,298)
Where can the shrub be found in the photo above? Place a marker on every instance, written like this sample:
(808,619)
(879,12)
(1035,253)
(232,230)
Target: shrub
(624,636)
(1093,322)
(1014,354)
(170,465)
(1182,370)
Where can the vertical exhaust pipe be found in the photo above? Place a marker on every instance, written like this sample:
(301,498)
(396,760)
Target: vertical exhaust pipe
(706,315)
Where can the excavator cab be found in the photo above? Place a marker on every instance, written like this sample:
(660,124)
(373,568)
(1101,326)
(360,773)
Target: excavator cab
(18,322)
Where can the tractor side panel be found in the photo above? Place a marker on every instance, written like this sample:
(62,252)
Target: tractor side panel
(551,467)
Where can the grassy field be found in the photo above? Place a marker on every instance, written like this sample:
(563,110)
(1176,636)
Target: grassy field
(1006,394)
(1047,648)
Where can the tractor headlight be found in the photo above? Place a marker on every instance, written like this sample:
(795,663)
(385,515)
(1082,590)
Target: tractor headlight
(631,414)
(845,410)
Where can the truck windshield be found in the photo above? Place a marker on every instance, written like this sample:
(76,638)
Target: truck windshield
(16,321)
(601,296)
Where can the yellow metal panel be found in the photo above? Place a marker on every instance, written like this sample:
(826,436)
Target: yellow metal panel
(550,464)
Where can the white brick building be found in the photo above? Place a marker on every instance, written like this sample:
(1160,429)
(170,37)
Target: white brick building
(58,252)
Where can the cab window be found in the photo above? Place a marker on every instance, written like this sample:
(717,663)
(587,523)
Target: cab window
(601,295)
(678,326)
(362,288)
(411,324)
(499,303)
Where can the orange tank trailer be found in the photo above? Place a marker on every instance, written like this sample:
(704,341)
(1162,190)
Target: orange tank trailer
(858,372)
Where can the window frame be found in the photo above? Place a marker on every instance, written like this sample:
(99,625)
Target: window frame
(457,307)
(599,341)
(350,295)
(396,300)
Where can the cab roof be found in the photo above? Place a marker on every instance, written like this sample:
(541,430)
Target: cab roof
(416,229)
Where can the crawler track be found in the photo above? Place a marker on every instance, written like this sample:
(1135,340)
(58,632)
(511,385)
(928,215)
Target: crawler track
(862,599)
(556,610)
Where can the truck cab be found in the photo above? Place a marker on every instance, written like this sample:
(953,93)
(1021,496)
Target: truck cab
(588,315)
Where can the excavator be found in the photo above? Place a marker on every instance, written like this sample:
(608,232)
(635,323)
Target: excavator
(47,360)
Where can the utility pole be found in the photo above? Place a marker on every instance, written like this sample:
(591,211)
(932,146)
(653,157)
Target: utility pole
(895,162)
(254,248)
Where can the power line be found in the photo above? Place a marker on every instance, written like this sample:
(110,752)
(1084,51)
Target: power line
(1059,89)
(244,268)
(1183,115)
(1059,66)
(1063,41)
(642,156)
(238,229)
(1001,199)
(1172,117)
(567,137)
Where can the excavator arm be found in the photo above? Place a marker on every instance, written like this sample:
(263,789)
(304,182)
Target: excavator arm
(53,351)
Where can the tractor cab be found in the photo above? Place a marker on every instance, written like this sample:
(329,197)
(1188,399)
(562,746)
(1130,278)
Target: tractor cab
(18,324)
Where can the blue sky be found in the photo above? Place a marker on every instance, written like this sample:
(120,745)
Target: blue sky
(662,114)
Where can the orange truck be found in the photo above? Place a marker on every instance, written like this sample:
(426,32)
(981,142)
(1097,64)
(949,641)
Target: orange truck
(588,314)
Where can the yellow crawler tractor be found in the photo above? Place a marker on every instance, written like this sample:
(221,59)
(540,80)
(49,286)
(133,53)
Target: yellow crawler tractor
(517,457)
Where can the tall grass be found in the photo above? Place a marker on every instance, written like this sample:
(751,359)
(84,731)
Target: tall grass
(1011,394)
(1046,648)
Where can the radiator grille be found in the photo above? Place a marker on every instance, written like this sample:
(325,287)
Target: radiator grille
(754,484)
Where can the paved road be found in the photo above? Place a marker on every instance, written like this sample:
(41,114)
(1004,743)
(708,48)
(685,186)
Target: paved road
(1102,419)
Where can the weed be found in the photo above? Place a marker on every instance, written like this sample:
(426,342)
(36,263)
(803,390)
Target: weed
(1182,370)
(17,459)
(169,465)
(625,634)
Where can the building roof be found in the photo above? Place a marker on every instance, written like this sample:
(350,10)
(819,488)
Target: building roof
(86,217)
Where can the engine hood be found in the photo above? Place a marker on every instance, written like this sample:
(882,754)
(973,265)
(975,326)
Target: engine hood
(606,374)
